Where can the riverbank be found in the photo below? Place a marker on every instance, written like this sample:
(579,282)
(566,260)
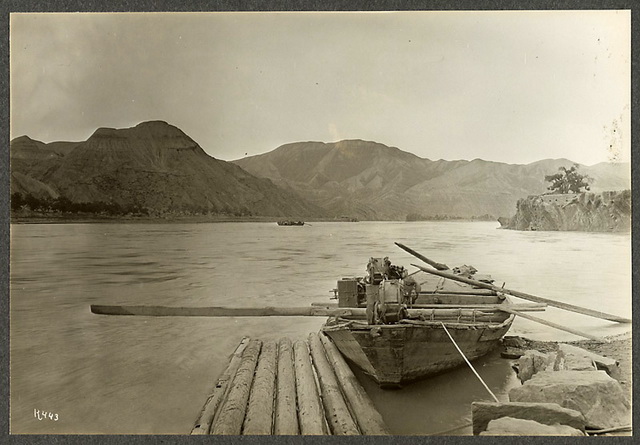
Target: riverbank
(618,347)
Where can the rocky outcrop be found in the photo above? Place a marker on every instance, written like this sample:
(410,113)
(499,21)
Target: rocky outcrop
(589,212)
(507,426)
(597,396)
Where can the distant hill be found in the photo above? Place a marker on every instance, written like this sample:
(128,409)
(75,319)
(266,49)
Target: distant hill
(373,181)
(154,166)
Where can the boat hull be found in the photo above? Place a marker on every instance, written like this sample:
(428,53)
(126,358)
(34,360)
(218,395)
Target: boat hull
(397,354)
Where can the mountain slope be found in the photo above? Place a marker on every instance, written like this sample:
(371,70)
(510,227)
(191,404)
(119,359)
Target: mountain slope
(372,181)
(153,165)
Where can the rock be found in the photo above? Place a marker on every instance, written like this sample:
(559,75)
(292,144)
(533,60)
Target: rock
(512,353)
(599,398)
(530,363)
(574,356)
(512,341)
(507,426)
(571,358)
(545,413)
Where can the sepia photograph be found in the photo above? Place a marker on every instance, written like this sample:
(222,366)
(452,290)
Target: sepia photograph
(382,223)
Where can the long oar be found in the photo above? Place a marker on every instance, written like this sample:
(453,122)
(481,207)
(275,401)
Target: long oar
(308,311)
(558,304)
(431,263)
(554,325)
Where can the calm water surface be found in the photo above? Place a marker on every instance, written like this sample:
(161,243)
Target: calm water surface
(148,375)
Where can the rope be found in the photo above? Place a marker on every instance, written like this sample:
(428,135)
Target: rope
(469,363)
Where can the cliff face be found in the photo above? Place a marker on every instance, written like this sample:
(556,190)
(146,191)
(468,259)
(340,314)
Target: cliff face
(589,212)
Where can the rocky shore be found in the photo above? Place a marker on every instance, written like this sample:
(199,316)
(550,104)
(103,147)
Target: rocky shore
(589,212)
(568,389)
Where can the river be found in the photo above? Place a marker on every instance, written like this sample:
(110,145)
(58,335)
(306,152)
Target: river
(146,375)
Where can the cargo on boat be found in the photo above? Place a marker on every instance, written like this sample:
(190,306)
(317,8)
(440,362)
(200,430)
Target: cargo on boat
(406,335)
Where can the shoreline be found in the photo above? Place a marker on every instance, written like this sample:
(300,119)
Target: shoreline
(618,347)
(85,219)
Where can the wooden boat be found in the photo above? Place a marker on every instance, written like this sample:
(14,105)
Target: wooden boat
(290,223)
(414,341)
(397,331)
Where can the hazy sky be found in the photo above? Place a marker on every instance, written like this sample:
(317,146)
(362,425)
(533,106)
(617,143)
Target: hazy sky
(512,87)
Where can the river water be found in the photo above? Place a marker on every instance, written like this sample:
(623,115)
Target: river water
(146,375)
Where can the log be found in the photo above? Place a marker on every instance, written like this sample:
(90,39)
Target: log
(558,304)
(360,404)
(286,417)
(557,326)
(259,418)
(232,412)
(203,424)
(335,407)
(310,414)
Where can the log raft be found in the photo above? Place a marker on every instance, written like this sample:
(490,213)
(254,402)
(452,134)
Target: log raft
(288,388)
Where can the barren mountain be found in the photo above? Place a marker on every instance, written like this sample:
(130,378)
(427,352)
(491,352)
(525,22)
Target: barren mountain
(153,165)
(374,181)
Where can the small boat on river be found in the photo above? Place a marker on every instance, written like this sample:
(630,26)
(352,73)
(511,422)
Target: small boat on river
(290,223)
(411,327)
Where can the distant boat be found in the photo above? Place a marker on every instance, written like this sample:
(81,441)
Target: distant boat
(291,223)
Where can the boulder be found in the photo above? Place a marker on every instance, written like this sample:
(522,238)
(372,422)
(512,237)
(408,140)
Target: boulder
(507,426)
(512,353)
(513,341)
(571,358)
(545,413)
(599,398)
(575,357)
(531,363)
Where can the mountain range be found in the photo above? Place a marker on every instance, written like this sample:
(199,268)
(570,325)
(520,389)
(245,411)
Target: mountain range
(373,181)
(156,166)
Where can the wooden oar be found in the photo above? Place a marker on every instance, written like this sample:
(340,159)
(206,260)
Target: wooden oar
(558,304)
(212,311)
(554,325)
(431,263)
(478,311)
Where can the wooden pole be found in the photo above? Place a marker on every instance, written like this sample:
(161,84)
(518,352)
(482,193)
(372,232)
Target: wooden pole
(203,424)
(362,409)
(312,311)
(286,417)
(213,311)
(310,414)
(431,263)
(558,304)
(335,407)
(259,418)
(557,326)
(231,416)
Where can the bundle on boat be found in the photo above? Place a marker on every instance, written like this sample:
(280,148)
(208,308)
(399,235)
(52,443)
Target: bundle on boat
(288,388)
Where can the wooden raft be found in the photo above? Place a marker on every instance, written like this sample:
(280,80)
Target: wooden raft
(288,388)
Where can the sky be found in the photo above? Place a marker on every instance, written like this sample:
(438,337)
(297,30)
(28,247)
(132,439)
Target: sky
(505,86)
